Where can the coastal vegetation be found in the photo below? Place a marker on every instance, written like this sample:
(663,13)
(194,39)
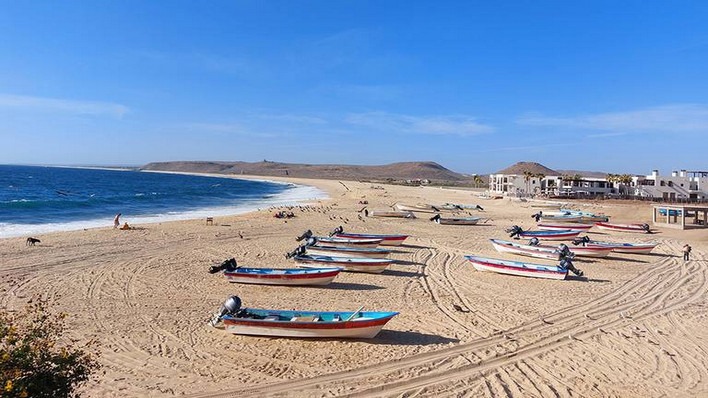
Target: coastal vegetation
(35,358)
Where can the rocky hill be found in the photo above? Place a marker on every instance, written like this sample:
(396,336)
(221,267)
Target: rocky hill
(532,167)
(395,172)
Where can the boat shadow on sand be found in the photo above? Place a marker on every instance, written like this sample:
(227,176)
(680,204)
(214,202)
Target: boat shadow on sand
(397,337)
(413,246)
(393,272)
(586,279)
(351,286)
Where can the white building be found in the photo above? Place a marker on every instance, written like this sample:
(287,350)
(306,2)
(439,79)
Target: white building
(555,185)
(681,185)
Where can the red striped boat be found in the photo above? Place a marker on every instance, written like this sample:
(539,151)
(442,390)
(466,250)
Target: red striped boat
(636,248)
(369,252)
(518,268)
(299,324)
(283,276)
(642,228)
(370,265)
(548,226)
(387,240)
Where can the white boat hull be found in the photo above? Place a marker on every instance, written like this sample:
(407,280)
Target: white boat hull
(282,282)
(545,254)
(531,271)
(314,250)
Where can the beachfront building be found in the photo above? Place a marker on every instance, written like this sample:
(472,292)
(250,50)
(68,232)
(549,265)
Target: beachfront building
(526,178)
(577,186)
(681,185)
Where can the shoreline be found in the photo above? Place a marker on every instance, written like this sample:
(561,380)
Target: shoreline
(282,199)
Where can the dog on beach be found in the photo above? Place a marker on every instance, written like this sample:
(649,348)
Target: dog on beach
(31,241)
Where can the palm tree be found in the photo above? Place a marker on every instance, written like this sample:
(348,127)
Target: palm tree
(540,177)
(478,181)
(614,179)
(527,178)
(625,179)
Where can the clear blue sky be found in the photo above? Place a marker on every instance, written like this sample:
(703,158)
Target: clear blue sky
(615,86)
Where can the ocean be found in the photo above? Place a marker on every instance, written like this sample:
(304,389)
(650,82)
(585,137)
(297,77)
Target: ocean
(36,200)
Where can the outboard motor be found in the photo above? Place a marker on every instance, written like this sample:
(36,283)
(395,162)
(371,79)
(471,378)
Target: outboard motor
(514,231)
(584,240)
(537,216)
(435,217)
(231,306)
(228,265)
(336,231)
(646,228)
(534,241)
(299,251)
(566,263)
(305,235)
(311,241)
(564,251)
(478,207)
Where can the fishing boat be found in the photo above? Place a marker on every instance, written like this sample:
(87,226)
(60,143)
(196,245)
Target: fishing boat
(421,208)
(387,240)
(391,214)
(353,264)
(503,246)
(282,276)
(546,205)
(450,207)
(543,235)
(587,217)
(370,252)
(518,268)
(636,248)
(340,242)
(455,221)
(551,226)
(299,324)
(561,218)
(642,228)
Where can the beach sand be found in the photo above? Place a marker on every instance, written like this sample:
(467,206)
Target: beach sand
(636,327)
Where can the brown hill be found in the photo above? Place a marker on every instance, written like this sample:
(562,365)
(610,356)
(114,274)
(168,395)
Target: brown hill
(395,172)
(533,167)
(591,174)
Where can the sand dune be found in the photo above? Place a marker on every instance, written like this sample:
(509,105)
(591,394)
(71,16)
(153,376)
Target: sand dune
(633,327)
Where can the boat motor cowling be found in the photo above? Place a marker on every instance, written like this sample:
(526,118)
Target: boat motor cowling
(585,239)
(514,231)
(231,306)
(305,235)
(336,231)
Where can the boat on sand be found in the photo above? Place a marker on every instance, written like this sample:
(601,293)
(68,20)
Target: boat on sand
(299,324)
(518,268)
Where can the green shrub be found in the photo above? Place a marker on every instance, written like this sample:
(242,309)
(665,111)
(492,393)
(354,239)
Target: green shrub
(35,361)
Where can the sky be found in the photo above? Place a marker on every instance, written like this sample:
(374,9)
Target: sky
(612,86)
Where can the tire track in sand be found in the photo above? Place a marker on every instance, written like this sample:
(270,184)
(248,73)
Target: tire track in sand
(641,294)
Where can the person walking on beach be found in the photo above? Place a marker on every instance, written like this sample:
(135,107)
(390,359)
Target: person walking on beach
(686,252)
(116,221)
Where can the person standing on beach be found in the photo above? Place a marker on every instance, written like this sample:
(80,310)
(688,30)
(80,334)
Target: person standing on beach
(686,252)
(116,221)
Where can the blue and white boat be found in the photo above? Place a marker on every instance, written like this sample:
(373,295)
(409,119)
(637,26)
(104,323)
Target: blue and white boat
(370,252)
(299,324)
(543,235)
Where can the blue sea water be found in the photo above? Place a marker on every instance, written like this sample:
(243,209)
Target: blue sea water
(35,200)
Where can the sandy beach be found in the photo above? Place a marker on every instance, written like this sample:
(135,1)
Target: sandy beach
(635,327)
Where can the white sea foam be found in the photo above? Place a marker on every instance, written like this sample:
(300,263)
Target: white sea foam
(297,194)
